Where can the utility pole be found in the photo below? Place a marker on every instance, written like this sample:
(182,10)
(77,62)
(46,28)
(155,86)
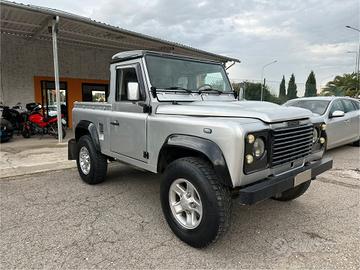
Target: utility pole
(263,79)
(358,60)
(55,28)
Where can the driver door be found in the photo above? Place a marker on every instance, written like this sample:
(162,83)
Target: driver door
(128,121)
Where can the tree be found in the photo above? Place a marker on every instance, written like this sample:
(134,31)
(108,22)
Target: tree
(282,90)
(345,85)
(253,92)
(292,88)
(310,86)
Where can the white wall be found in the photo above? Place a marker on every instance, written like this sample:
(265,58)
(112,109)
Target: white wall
(22,59)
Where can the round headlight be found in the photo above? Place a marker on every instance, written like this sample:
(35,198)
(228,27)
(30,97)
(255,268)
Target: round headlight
(259,147)
(315,135)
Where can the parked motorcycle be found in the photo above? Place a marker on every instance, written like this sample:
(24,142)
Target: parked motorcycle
(39,124)
(15,115)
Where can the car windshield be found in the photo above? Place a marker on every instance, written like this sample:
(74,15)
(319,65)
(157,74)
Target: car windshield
(187,75)
(316,106)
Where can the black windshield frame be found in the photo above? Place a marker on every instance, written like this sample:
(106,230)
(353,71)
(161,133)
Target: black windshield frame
(221,69)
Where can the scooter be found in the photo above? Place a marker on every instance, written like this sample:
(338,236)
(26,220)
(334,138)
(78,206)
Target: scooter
(39,124)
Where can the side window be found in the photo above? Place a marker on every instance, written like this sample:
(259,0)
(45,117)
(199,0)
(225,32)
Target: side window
(337,106)
(123,77)
(349,106)
(356,104)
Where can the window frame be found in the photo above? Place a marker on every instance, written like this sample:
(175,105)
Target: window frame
(332,105)
(119,69)
(345,107)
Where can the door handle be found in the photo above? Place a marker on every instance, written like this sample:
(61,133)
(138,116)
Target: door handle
(115,123)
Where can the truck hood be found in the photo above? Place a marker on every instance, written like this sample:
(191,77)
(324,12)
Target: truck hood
(264,111)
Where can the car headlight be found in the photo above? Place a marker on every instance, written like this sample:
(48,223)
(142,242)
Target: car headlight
(315,135)
(259,147)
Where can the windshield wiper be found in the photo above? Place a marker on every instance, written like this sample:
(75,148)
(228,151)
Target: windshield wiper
(155,89)
(210,90)
(177,88)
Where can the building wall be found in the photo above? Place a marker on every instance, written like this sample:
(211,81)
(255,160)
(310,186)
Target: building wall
(22,60)
(73,91)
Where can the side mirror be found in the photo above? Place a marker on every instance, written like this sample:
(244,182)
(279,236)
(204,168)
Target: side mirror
(133,91)
(337,114)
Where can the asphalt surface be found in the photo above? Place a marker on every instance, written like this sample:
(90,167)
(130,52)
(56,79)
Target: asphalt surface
(54,220)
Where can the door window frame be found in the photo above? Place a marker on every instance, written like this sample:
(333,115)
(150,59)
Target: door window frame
(143,96)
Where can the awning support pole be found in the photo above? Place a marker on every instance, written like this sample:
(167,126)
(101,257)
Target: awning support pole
(55,24)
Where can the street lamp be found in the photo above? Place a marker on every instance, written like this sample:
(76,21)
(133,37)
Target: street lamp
(263,79)
(358,60)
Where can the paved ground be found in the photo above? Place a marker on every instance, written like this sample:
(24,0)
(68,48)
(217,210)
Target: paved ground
(22,156)
(53,220)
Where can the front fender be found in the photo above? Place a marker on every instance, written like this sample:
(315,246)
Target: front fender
(207,148)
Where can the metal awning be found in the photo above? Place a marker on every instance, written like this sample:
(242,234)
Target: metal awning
(32,22)
(40,23)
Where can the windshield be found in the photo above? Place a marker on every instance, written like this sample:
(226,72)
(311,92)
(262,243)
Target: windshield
(171,73)
(315,106)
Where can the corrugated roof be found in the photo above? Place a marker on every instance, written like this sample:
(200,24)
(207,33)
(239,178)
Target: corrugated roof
(32,22)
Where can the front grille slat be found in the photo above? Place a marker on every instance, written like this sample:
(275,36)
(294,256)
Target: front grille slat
(291,143)
(292,148)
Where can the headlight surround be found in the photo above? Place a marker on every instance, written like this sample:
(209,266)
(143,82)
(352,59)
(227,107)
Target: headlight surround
(319,139)
(259,148)
(315,135)
(256,156)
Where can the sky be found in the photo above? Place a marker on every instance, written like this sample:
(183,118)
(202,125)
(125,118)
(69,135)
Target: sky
(302,35)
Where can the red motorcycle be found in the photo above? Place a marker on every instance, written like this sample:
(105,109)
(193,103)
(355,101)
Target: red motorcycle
(37,123)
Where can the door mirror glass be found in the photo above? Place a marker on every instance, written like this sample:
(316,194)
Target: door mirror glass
(337,114)
(133,91)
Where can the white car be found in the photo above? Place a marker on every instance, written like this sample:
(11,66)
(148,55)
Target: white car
(341,115)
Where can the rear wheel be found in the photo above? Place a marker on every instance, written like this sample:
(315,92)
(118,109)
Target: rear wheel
(196,206)
(293,193)
(91,164)
(26,132)
(53,130)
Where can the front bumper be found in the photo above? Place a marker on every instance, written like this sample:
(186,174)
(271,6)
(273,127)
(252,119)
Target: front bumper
(269,187)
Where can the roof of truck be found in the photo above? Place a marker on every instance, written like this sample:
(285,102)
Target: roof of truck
(127,55)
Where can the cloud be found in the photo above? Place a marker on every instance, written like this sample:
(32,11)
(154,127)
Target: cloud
(302,35)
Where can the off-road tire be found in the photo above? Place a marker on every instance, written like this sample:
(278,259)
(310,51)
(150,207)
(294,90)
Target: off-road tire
(98,162)
(293,193)
(215,198)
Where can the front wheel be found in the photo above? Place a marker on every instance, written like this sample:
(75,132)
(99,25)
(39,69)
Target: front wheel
(293,193)
(196,206)
(91,164)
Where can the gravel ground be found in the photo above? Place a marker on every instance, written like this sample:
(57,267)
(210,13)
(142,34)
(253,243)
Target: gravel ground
(54,220)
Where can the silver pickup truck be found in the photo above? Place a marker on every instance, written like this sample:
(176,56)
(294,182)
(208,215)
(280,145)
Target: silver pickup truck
(179,117)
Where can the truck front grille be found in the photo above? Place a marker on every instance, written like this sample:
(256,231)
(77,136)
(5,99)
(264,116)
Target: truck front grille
(291,143)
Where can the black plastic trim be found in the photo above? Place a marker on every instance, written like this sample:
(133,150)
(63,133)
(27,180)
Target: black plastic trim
(91,129)
(271,186)
(206,147)
(72,149)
